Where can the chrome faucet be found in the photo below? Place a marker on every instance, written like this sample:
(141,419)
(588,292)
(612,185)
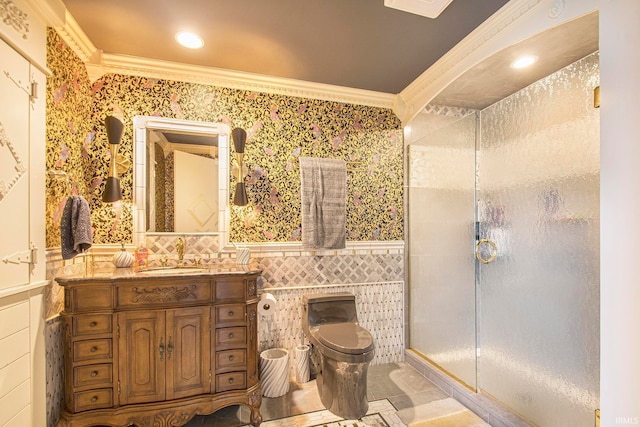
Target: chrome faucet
(180,247)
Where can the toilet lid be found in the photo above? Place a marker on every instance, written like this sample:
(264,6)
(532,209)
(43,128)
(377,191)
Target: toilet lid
(344,337)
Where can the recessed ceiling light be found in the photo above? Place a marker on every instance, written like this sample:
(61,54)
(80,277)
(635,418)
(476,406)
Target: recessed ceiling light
(190,40)
(524,61)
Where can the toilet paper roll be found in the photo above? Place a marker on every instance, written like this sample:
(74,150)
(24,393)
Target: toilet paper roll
(267,304)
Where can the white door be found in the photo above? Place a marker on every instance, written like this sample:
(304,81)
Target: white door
(196,193)
(14,160)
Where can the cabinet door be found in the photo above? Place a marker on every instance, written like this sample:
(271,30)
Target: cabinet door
(143,351)
(14,161)
(188,352)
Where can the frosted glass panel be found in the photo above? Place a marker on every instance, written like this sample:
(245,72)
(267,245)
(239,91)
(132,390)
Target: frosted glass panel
(441,233)
(538,188)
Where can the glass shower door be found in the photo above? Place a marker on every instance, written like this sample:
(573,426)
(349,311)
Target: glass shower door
(441,269)
(538,210)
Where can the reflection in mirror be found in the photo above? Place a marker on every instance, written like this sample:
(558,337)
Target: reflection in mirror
(181,177)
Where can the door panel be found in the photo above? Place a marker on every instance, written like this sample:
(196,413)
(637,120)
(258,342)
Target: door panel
(538,190)
(143,351)
(441,269)
(188,352)
(14,161)
(196,193)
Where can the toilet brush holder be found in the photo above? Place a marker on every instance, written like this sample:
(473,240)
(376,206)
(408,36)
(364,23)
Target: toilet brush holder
(302,363)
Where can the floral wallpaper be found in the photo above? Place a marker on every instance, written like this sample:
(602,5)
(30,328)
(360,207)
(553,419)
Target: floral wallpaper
(280,129)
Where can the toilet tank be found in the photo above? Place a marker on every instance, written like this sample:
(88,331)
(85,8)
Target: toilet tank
(330,308)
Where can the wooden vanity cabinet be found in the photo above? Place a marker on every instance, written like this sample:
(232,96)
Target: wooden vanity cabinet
(156,351)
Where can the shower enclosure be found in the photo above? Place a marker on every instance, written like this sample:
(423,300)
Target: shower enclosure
(503,231)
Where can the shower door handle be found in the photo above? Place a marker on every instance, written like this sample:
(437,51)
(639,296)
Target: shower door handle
(494,250)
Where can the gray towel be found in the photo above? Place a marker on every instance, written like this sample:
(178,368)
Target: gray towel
(324,210)
(75,227)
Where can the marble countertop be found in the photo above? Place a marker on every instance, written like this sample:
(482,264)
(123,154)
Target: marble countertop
(109,272)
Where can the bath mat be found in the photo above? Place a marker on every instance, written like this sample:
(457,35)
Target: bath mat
(381,413)
(441,413)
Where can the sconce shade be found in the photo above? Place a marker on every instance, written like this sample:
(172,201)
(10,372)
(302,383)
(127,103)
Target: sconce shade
(239,137)
(112,192)
(240,196)
(114,129)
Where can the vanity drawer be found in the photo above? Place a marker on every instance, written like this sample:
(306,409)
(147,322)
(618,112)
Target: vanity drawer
(229,313)
(229,337)
(93,399)
(100,375)
(154,293)
(92,324)
(97,296)
(230,360)
(231,381)
(230,290)
(92,350)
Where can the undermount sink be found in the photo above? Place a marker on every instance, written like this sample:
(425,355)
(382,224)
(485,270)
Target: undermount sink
(172,270)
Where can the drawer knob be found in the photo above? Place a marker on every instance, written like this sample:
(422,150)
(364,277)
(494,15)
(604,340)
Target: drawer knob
(231,357)
(94,374)
(230,380)
(231,335)
(93,349)
(94,399)
(230,313)
(93,324)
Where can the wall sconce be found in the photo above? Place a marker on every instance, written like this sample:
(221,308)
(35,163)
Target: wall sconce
(239,137)
(112,191)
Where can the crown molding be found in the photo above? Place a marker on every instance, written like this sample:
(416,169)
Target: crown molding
(76,39)
(129,65)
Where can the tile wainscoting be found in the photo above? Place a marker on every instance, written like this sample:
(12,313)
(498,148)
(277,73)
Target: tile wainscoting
(372,271)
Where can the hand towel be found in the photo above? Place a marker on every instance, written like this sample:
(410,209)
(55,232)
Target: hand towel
(324,209)
(75,227)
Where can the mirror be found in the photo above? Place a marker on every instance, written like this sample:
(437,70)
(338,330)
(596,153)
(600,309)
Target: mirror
(181,177)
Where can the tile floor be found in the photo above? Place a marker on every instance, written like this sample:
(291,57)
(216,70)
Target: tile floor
(399,383)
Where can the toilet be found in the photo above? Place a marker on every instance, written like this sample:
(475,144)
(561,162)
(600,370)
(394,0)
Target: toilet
(330,323)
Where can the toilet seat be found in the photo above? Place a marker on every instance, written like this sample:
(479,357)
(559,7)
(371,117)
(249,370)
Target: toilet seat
(349,338)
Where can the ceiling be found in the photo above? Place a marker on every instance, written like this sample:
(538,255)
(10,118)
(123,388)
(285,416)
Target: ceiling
(359,44)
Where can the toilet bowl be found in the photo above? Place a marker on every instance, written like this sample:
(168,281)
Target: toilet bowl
(330,323)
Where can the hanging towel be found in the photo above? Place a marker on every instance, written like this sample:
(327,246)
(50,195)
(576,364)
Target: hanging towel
(75,227)
(324,211)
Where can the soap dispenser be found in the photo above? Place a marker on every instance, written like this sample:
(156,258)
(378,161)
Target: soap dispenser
(122,258)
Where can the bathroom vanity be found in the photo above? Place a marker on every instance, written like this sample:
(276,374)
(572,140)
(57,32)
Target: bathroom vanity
(157,348)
